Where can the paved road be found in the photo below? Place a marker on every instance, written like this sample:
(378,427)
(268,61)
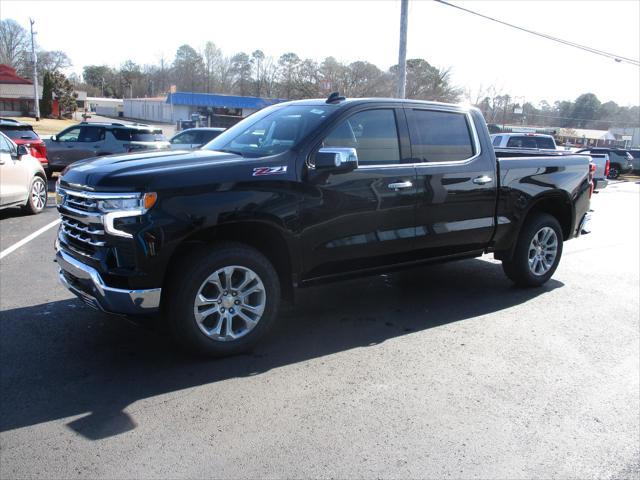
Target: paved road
(446,371)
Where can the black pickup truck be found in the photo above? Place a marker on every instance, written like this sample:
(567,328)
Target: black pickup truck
(304,192)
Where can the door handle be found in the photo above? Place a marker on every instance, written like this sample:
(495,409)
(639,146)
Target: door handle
(482,180)
(399,185)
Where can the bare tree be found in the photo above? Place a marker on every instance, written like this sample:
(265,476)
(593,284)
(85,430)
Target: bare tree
(14,44)
(212,59)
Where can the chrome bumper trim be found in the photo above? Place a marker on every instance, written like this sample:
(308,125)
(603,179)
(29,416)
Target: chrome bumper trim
(86,283)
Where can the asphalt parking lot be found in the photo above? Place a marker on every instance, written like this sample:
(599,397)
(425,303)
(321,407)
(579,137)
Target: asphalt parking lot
(446,371)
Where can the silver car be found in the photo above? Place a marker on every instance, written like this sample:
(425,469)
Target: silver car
(194,137)
(93,139)
(22,179)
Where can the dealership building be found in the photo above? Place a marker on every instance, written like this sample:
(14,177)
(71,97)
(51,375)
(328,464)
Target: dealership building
(216,110)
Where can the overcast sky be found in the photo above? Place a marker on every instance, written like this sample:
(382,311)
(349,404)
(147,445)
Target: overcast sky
(479,52)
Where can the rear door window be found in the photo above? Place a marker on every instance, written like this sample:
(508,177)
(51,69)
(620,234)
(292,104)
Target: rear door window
(439,136)
(147,135)
(130,135)
(496,141)
(91,134)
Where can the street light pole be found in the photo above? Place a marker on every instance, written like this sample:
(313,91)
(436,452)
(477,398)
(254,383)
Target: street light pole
(402,54)
(35,73)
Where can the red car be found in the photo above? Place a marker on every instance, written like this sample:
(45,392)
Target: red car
(23,134)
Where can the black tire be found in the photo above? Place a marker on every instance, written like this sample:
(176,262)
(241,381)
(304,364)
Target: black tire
(36,205)
(614,172)
(517,267)
(186,282)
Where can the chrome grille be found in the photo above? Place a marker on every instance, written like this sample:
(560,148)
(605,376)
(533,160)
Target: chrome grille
(85,233)
(80,202)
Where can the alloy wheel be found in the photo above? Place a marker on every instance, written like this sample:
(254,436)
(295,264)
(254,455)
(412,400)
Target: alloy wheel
(543,250)
(38,194)
(229,303)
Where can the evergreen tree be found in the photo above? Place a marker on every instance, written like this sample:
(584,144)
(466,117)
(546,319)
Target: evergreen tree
(46,104)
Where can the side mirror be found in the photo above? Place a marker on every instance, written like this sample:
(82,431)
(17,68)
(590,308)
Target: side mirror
(22,150)
(54,138)
(336,159)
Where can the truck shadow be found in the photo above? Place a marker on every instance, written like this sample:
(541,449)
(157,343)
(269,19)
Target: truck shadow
(61,359)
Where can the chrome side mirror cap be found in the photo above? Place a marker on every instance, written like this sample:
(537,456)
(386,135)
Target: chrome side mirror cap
(340,159)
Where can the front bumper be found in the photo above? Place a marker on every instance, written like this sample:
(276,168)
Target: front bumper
(85,282)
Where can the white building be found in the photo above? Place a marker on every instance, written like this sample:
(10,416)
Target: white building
(218,110)
(109,107)
(16,94)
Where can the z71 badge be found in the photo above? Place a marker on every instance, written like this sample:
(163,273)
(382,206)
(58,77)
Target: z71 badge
(260,171)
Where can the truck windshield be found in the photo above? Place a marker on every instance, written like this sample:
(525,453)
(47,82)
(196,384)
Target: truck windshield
(271,131)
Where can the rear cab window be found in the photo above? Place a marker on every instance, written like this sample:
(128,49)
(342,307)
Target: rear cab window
(440,136)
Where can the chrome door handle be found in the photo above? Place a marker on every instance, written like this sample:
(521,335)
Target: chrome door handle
(482,180)
(399,185)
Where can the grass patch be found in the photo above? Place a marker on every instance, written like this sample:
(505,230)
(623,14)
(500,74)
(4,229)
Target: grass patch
(47,126)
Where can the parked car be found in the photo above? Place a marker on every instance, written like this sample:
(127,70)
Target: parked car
(620,160)
(523,140)
(93,139)
(22,179)
(305,192)
(22,134)
(194,138)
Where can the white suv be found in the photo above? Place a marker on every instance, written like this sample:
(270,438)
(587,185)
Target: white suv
(22,178)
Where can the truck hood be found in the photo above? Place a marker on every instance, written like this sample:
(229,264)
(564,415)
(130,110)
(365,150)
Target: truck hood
(154,170)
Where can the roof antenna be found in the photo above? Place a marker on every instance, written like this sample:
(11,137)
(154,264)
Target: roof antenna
(335,97)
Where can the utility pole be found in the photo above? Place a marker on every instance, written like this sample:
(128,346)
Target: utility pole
(35,73)
(402,54)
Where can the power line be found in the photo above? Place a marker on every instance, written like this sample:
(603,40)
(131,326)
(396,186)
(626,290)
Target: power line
(617,58)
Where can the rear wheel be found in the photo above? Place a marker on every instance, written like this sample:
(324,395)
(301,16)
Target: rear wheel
(223,299)
(614,172)
(537,252)
(37,199)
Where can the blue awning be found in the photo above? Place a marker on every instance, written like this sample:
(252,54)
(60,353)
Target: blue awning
(220,101)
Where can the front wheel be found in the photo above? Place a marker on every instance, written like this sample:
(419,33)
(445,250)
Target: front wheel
(537,252)
(223,299)
(37,199)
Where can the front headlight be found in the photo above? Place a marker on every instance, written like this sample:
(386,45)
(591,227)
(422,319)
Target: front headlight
(142,203)
(129,205)
(118,204)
